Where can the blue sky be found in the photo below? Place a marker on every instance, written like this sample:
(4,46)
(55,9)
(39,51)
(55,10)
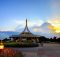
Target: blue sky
(14,12)
(24,8)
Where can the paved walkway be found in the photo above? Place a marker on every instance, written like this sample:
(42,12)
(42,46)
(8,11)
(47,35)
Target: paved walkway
(48,50)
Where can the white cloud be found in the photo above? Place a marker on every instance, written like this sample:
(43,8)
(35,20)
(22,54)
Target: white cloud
(14,23)
(38,29)
(54,21)
(31,23)
(7,29)
(9,25)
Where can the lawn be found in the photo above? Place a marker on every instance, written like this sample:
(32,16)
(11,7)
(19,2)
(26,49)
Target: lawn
(19,44)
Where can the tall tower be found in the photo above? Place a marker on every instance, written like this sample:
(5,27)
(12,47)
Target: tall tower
(26,23)
(26,27)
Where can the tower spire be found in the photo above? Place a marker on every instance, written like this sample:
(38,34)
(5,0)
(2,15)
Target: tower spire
(26,27)
(26,22)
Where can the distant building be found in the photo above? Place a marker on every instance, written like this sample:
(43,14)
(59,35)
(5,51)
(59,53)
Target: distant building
(25,35)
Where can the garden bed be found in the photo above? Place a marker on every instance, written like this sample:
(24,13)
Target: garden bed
(8,52)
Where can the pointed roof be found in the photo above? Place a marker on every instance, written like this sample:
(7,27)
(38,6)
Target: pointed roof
(26,32)
(26,28)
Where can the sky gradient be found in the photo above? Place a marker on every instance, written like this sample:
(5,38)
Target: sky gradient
(14,12)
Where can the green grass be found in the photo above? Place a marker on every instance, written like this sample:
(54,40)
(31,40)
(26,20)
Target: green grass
(16,44)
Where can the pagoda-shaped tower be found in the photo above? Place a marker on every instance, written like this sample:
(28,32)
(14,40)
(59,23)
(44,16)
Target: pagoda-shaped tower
(25,34)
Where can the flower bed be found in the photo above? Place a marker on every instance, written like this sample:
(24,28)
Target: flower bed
(7,52)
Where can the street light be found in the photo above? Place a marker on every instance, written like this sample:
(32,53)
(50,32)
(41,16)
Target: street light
(1,45)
